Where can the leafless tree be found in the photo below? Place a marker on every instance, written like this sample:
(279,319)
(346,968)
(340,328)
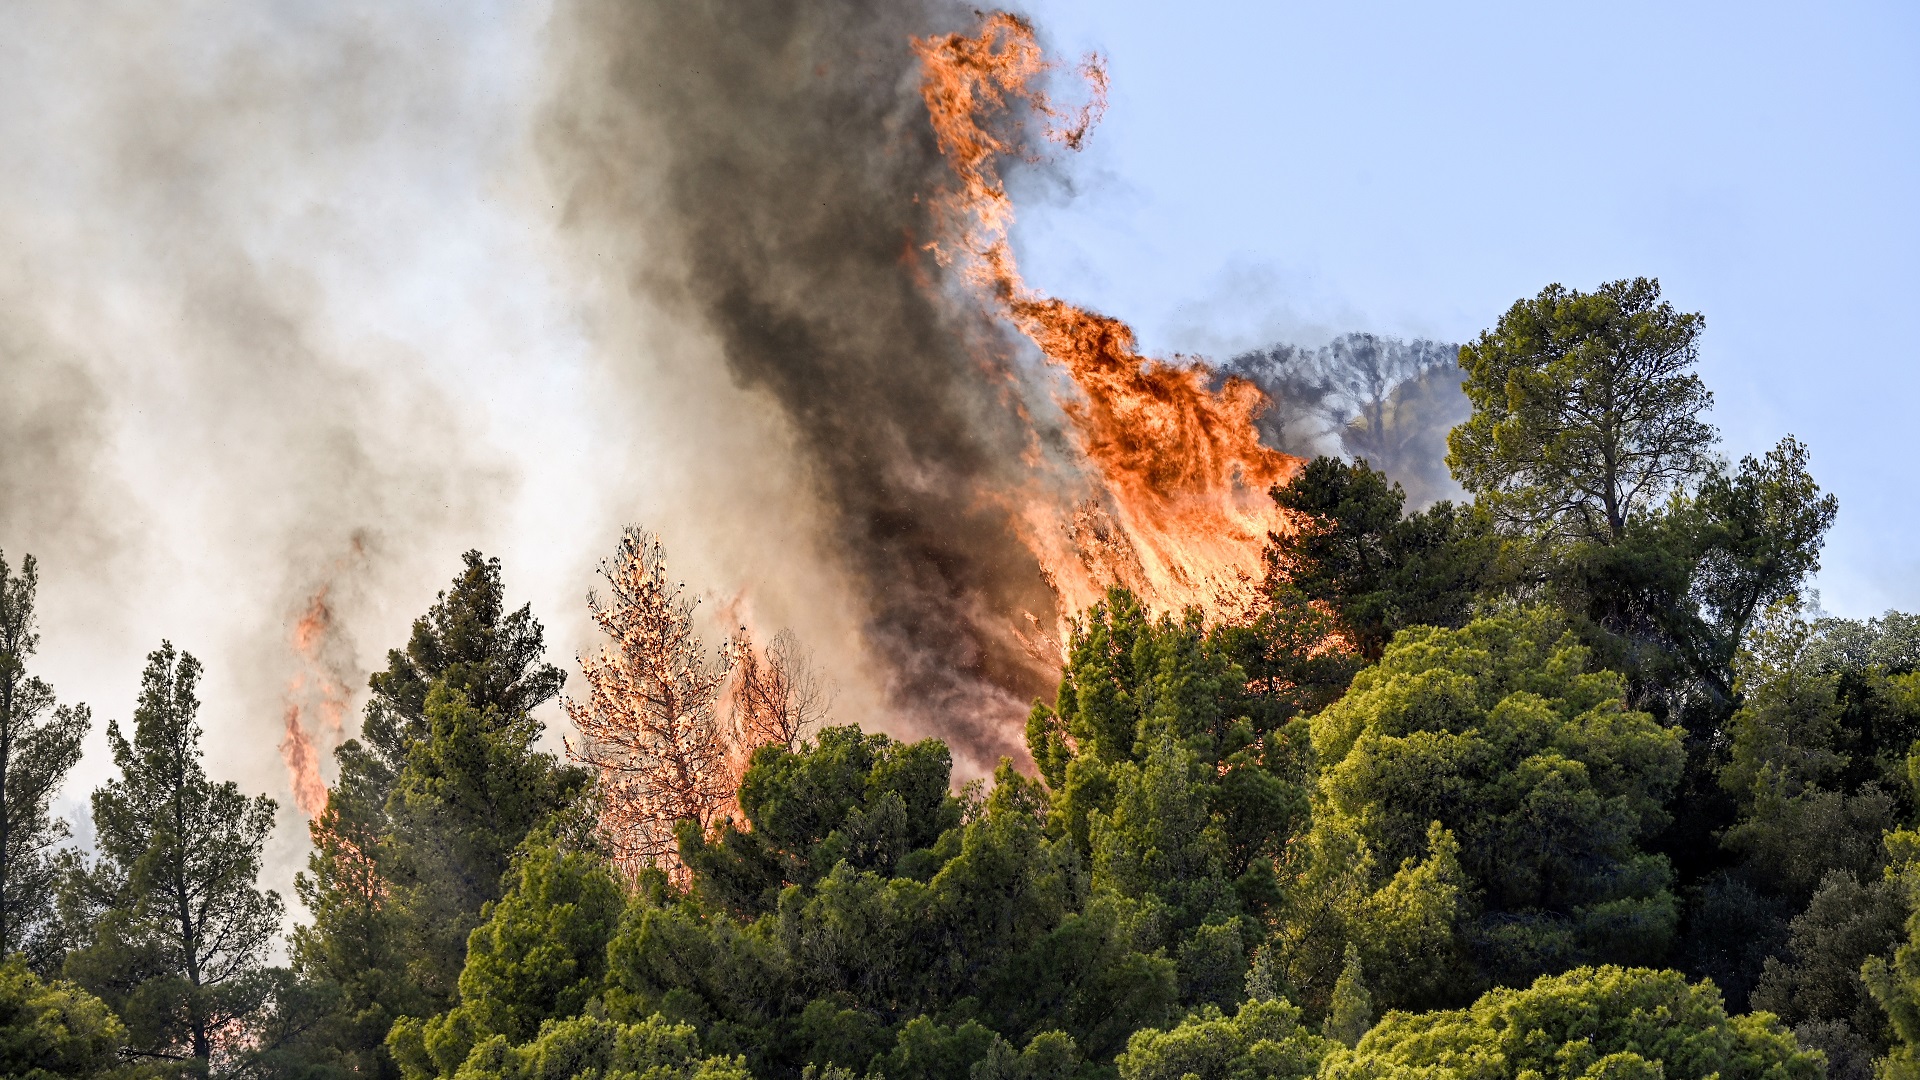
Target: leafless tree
(777,696)
(649,724)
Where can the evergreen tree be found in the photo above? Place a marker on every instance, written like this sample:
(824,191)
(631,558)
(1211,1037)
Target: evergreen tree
(1586,1024)
(1754,532)
(180,942)
(1586,410)
(1132,682)
(1587,449)
(868,800)
(1177,782)
(1816,978)
(36,752)
(1351,1012)
(656,1048)
(1407,925)
(470,792)
(877,953)
(1350,548)
(52,1030)
(1812,772)
(1263,1038)
(1500,732)
(541,954)
(1787,766)
(472,643)
(1894,980)
(421,826)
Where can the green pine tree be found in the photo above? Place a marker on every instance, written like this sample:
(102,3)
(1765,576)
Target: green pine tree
(471,791)
(36,752)
(418,831)
(180,941)
(1263,982)
(1352,1011)
(53,1029)
(541,954)
(1585,1024)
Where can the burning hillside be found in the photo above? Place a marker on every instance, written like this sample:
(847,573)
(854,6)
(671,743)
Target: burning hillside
(824,198)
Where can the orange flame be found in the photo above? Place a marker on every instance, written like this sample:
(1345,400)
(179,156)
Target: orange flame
(1181,514)
(316,704)
(303,763)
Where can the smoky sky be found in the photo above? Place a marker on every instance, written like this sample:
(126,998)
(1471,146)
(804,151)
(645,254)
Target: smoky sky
(298,296)
(766,170)
(1364,396)
(202,419)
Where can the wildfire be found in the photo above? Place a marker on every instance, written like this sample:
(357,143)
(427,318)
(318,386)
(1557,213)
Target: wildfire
(316,705)
(1181,513)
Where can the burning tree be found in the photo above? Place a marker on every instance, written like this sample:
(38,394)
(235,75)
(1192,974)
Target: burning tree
(777,698)
(650,724)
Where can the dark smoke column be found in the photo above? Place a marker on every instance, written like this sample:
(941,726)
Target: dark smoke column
(765,170)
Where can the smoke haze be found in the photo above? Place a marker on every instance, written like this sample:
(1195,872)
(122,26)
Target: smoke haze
(299,302)
(207,416)
(763,173)
(1391,402)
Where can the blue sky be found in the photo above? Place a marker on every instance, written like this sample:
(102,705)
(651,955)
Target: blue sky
(1285,170)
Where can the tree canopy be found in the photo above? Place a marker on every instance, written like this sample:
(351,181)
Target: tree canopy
(1586,409)
(1586,1023)
(180,934)
(39,745)
(1567,781)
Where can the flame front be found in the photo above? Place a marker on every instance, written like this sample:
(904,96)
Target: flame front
(316,704)
(1181,512)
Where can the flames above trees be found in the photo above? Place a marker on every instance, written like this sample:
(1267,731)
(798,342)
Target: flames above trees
(1180,511)
(1165,493)
(316,704)
(1174,503)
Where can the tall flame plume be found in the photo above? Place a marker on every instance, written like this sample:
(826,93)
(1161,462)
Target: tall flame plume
(1181,514)
(316,704)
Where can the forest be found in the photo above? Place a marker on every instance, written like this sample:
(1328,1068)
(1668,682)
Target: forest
(1569,778)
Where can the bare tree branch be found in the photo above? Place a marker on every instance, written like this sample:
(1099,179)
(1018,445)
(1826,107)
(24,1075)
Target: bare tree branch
(649,723)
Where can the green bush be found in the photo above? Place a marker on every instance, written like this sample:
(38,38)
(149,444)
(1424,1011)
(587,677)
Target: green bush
(1587,1024)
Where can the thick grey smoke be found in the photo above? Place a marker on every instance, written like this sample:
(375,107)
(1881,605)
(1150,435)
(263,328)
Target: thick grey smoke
(762,173)
(1388,401)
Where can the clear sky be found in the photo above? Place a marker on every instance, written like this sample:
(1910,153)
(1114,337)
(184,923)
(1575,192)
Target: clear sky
(1293,170)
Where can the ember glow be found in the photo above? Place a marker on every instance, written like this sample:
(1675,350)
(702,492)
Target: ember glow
(1181,512)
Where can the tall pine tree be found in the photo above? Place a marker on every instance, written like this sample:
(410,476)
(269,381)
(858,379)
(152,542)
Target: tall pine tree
(181,932)
(430,805)
(36,752)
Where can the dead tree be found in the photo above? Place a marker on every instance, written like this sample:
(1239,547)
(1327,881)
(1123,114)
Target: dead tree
(777,697)
(649,725)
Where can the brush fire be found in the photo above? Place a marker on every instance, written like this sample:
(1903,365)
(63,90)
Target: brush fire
(1164,491)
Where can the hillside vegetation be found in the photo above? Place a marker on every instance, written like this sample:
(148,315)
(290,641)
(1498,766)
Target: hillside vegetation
(1567,780)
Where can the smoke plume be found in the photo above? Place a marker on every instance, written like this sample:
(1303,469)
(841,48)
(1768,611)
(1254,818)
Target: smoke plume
(297,303)
(205,419)
(765,173)
(812,193)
